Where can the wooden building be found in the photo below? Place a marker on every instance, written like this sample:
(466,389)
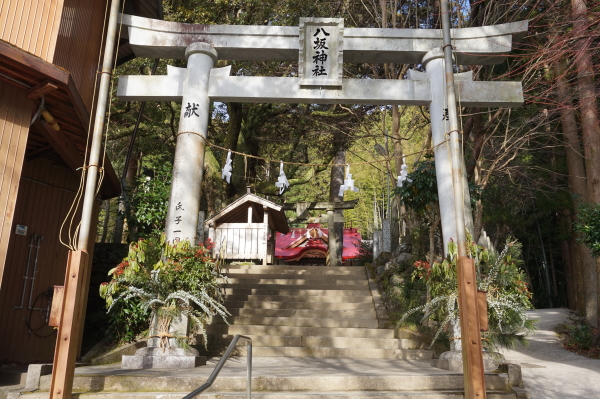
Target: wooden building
(246,229)
(310,246)
(49,55)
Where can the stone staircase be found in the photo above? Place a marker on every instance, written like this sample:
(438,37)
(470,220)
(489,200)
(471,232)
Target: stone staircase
(316,335)
(308,311)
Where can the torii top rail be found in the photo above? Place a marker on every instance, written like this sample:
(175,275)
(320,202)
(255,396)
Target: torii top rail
(162,39)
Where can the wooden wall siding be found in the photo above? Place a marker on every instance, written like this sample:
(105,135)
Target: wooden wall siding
(31,25)
(15,113)
(78,44)
(45,196)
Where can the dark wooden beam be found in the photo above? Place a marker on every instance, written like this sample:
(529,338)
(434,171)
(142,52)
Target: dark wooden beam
(40,90)
(77,103)
(323,205)
(59,141)
(114,188)
(32,65)
(40,152)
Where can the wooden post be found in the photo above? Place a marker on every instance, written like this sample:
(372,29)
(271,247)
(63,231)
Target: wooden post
(469,326)
(265,243)
(70,325)
(332,241)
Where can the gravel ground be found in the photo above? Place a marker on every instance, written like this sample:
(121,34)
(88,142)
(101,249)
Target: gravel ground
(549,370)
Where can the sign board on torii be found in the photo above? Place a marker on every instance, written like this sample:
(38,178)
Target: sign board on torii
(320,83)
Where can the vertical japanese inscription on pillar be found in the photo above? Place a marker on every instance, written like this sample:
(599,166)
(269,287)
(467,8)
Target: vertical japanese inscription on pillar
(178,219)
(321,52)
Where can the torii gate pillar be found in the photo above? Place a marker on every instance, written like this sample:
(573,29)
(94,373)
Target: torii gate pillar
(435,74)
(188,168)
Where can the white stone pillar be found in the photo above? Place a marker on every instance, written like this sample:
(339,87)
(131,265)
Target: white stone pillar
(434,67)
(386,233)
(188,168)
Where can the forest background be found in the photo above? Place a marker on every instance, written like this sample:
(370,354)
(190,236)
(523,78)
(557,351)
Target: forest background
(536,168)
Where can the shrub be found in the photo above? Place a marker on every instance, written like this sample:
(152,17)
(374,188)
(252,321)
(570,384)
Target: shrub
(508,296)
(168,279)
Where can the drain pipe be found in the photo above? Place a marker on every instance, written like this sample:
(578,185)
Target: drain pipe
(472,355)
(99,121)
(40,238)
(26,275)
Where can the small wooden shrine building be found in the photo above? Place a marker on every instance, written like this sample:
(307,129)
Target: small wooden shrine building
(246,229)
(310,245)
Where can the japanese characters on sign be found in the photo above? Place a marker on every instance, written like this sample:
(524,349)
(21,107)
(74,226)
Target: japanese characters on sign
(321,52)
(177,220)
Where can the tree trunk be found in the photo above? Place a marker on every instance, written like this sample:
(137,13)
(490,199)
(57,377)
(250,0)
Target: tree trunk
(584,263)
(591,137)
(336,229)
(105,222)
(126,184)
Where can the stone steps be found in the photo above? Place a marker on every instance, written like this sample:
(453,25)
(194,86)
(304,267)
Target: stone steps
(312,311)
(457,394)
(255,303)
(298,383)
(235,282)
(313,341)
(301,297)
(299,331)
(354,353)
(294,270)
(304,322)
(303,313)
(253,275)
(282,290)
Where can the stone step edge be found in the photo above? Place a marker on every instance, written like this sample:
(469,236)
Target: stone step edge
(268,290)
(433,394)
(364,314)
(400,343)
(233,297)
(296,276)
(322,382)
(293,268)
(323,331)
(302,322)
(287,305)
(295,282)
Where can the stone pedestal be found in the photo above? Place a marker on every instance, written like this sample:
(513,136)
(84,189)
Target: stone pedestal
(452,360)
(170,358)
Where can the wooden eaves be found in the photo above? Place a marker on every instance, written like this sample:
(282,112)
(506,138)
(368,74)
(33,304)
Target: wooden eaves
(63,101)
(237,213)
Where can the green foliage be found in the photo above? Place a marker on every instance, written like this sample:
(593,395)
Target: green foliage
(500,276)
(150,200)
(365,253)
(420,193)
(402,293)
(127,321)
(159,275)
(578,334)
(588,225)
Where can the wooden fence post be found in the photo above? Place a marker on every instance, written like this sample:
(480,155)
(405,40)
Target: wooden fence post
(69,328)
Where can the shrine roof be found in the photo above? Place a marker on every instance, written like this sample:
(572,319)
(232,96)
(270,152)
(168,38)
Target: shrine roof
(351,243)
(237,212)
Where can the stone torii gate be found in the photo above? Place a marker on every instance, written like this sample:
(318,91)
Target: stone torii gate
(320,45)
